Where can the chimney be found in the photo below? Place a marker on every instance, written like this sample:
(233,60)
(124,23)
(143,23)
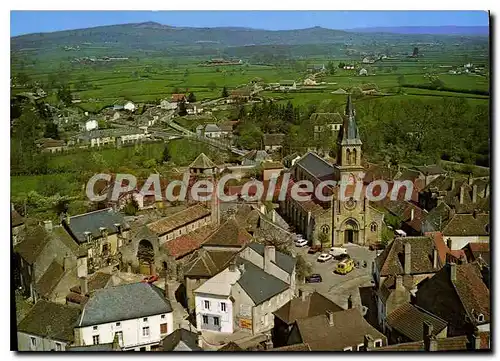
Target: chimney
(232,265)
(273,216)
(453,182)
(329,315)
(67,218)
(399,282)
(461,199)
(88,236)
(474,193)
(448,243)
(453,271)
(241,267)
(349,302)
(407,265)
(302,294)
(434,258)
(119,228)
(84,288)
(412,214)
(430,342)
(48,225)
(269,343)
(269,257)
(368,342)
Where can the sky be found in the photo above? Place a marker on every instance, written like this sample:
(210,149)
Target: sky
(25,22)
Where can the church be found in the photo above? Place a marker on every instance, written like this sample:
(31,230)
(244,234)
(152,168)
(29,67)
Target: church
(340,221)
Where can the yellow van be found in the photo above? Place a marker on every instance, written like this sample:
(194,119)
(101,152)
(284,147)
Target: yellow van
(345,267)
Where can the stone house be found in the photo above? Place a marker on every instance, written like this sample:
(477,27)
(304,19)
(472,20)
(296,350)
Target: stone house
(108,315)
(203,165)
(271,170)
(323,122)
(463,229)
(49,145)
(458,295)
(272,142)
(286,85)
(111,137)
(48,326)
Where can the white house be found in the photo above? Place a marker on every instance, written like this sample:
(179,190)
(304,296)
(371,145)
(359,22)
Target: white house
(194,109)
(168,105)
(138,314)
(91,125)
(288,85)
(244,296)
(463,229)
(363,71)
(212,131)
(129,106)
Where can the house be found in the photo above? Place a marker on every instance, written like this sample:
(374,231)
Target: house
(49,145)
(429,172)
(103,347)
(406,324)
(88,285)
(227,129)
(477,252)
(212,131)
(309,82)
(406,262)
(244,295)
(316,68)
(16,224)
(90,125)
(462,229)
(181,340)
(286,85)
(240,95)
(290,159)
(325,124)
(108,314)
(348,67)
(271,169)
(194,109)
(363,72)
(272,142)
(42,256)
(458,295)
(411,216)
(113,137)
(255,157)
(177,98)
(168,104)
(102,233)
(345,330)
(48,326)
(304,306)
(203,165)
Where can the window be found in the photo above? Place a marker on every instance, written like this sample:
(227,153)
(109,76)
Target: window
(373,227)
(33,342)
(378,343)
(348,348)
(162,317)
(361,347)
(58,346)
(95,339)
(145,319)
(205,320)
(216,321)
(223,306)
(163,328)
(145,331)
(94,328)
(206,304)
(119,335)
(118,324)
(480,318)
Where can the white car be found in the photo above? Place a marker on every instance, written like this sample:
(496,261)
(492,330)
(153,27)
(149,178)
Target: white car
(337,251)
(301,242)
(299,237)
(323,257)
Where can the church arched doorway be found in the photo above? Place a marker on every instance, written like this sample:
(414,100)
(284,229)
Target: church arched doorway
(351,231)
(146,257)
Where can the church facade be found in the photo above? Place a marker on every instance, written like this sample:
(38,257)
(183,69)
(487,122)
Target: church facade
(344,219)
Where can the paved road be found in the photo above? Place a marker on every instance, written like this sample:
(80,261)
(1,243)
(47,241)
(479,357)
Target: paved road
(339,287)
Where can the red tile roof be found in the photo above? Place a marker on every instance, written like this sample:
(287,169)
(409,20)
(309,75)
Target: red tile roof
(185,244)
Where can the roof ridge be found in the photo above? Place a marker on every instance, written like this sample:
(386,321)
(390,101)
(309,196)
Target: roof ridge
(109,209)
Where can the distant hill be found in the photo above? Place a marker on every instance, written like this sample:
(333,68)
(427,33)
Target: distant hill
(432,30)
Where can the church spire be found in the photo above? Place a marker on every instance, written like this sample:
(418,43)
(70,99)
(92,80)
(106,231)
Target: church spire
(348,107)
(350,132)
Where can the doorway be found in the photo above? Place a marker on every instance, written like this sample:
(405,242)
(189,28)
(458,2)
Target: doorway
(351,231)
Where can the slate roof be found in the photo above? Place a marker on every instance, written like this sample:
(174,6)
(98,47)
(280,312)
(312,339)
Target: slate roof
(34,239)
(283,261)
(207,263)
(349,329)
(391,260)
(177,220)
(51,320)
(314,304)
(61,234)
(187,339)
(202,162)
(114,304)
(273,139)
(408,320)
(468,225)
(326,118)
(229,234)
(187,243)
(93,221)
(316,166)
(259,285)
(49,279)
(457,343)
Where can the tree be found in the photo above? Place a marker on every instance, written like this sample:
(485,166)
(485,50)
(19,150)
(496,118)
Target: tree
(64,95)
(131,208)
(83,82)
(225,93)
(191,98)
(437,83)
(302,267)
(341,65)
(166,154)
(182,108)
(51,131)
(211,85)
(331,68)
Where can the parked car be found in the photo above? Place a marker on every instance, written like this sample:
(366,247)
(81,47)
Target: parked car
(342,257)
(298,237)
(376,246)
(323,257)
(314,249)
(150,279)
(337,251)
(314,278)
(345,267)
(301,242)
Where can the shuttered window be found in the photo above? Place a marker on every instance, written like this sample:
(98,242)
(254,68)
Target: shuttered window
(163,328)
